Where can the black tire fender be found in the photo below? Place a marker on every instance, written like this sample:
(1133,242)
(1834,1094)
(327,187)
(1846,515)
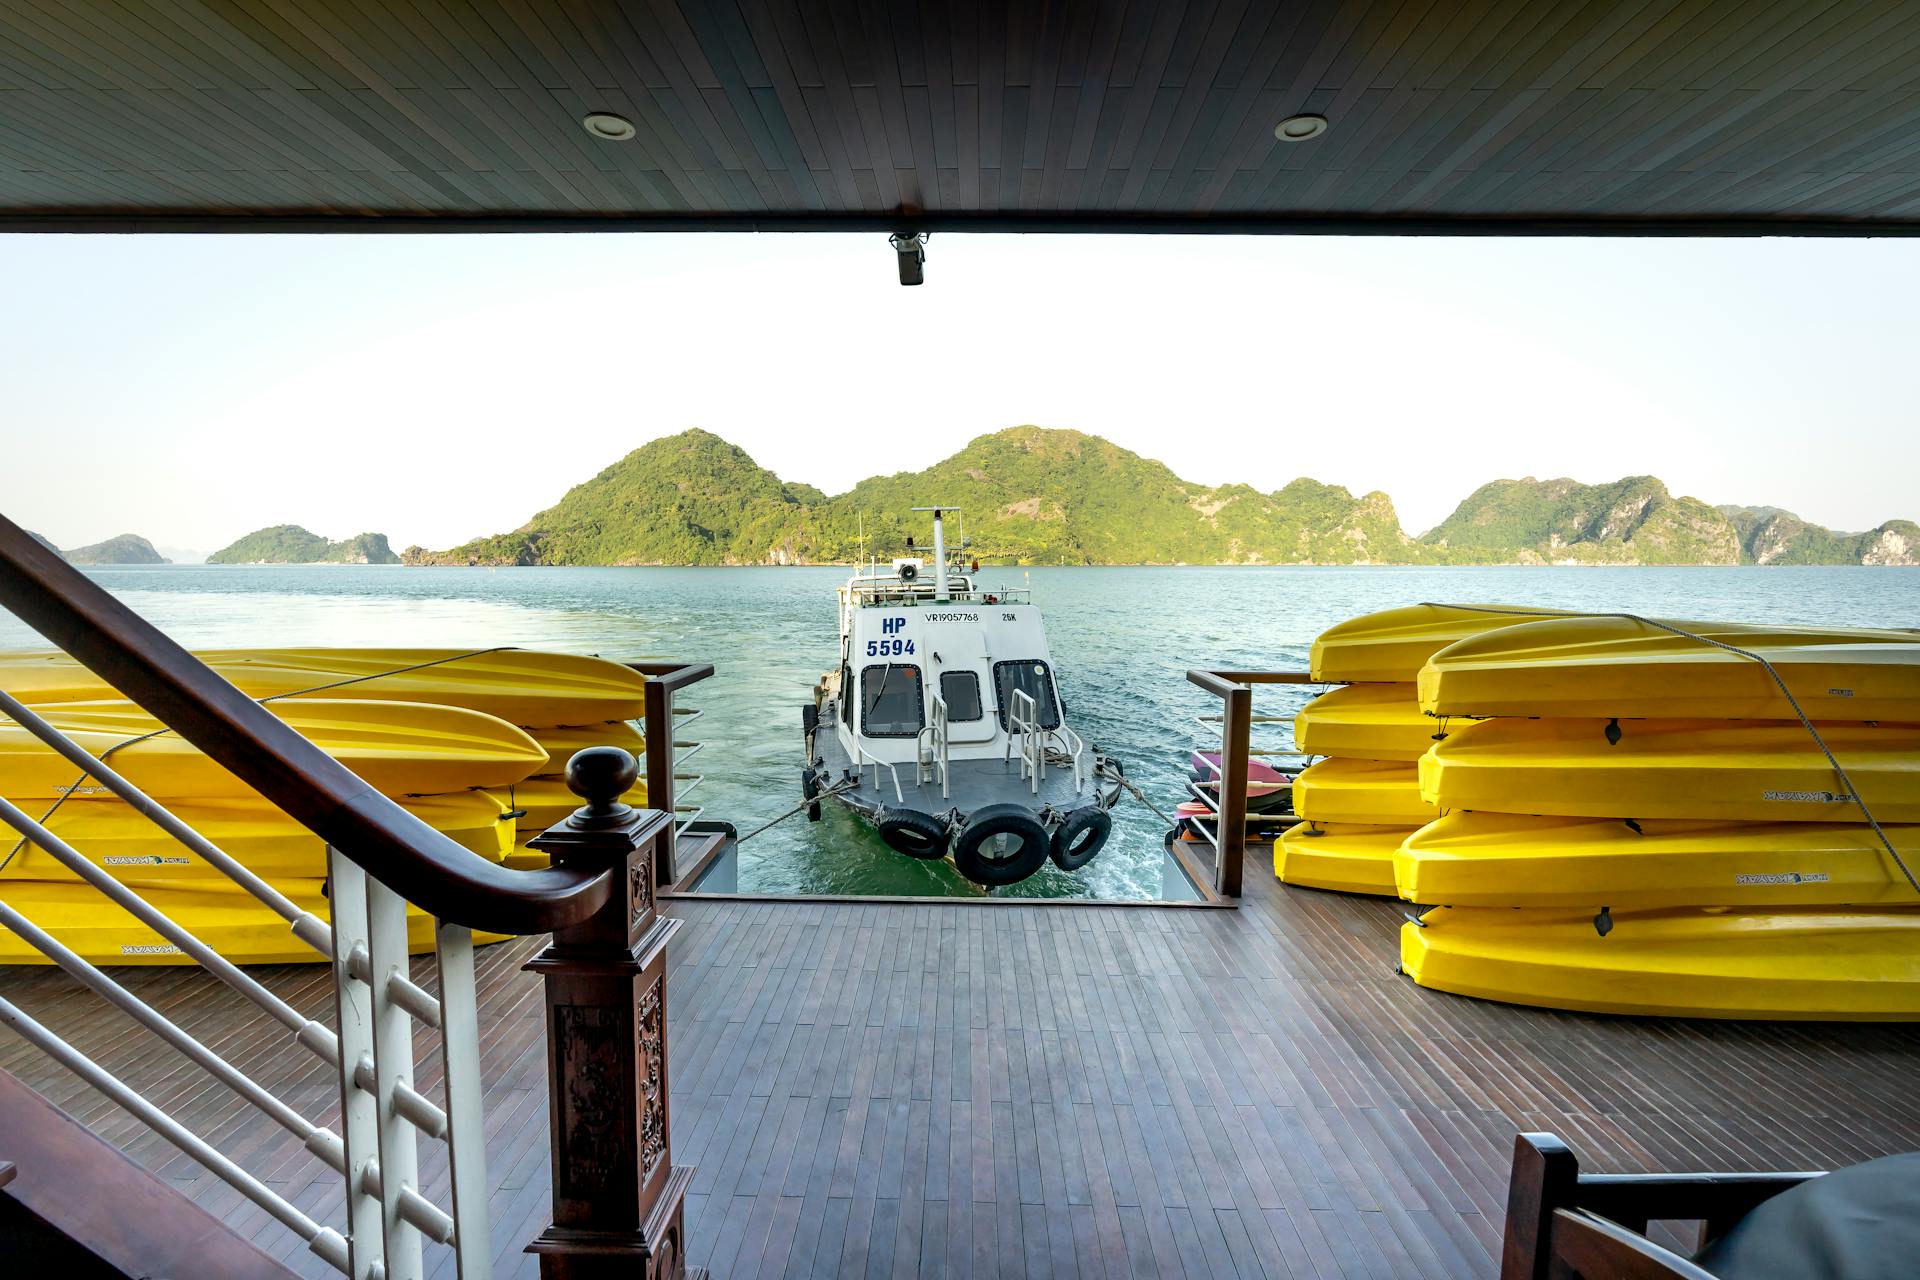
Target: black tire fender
(810,788)
(1081,835)
(913,832)
(982,826)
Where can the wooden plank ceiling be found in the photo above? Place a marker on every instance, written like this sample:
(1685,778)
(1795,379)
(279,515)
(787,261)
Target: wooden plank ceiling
(1640,116)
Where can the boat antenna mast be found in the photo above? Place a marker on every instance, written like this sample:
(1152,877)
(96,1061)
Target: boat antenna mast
(940,592)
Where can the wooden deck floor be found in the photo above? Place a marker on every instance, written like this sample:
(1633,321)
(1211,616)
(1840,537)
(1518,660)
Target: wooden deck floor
(1033,1091)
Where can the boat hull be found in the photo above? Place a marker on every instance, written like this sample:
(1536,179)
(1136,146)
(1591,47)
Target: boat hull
(1371,793)
(226,919)
(1732,772)
(1393,644)
(398,748)
(523,687)
(1340,856)
(1610,666)
(1834,965)
(1365,722)
(1494,859)
(274,847)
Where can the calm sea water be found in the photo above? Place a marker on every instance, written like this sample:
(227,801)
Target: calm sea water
(1122,640)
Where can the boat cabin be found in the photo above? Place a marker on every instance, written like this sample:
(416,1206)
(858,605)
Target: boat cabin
(917,652)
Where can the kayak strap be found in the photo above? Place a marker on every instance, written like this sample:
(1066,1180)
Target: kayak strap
(81,781)
(1852,792)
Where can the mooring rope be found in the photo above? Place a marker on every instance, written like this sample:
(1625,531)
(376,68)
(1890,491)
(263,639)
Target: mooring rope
(1106,771)
(843,785)
(1852,793)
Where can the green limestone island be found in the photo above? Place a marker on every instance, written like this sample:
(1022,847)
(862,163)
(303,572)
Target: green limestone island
(290,544)
(128,548)
(1030,495)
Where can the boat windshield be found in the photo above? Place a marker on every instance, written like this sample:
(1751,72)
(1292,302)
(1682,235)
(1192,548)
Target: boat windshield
(1034,679)
(891,705)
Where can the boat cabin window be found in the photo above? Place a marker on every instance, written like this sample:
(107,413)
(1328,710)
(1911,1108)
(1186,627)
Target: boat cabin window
(846,695)
(891,705)
(1036,680)
(960,690)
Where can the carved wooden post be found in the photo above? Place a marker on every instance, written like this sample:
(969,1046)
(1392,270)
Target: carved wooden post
(616,1193)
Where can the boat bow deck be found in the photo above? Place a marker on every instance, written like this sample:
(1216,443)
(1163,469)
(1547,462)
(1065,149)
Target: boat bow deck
(1058,1091)
(972,783)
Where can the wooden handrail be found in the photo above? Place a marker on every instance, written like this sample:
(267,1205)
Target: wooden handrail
(428,869)
(673,675)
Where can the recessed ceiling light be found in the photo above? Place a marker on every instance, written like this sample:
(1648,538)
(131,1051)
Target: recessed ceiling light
(1300,128)
(607,126)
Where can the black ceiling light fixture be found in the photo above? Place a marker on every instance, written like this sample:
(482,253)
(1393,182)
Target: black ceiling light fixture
(911,249)
(608,126)
(1300,128)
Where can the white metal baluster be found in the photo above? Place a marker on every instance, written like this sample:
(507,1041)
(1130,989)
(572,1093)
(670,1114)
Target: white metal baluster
(313,1035)
(359,1109)
(466,1121)
(324,1241)
(393,1073)
(306,926)
(320,1141)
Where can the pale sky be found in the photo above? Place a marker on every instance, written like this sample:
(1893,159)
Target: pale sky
(435,388)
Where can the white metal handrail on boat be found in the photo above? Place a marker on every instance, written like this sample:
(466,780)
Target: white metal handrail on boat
(935,760)
(894,591)
(377,1006)
(1026,736)
(1075,749)
(862,757)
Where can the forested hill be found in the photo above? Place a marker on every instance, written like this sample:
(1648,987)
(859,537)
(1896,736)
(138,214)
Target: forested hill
(1032,495)
(291,544)
(125,548)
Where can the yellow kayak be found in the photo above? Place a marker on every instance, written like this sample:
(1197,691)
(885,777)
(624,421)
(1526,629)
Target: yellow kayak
(398,748)
(258,836)
(1618,667)
(1394,644)
(1749,771)
(521,686)
(1837,964)
(542,802)
(1371,793)
(1365,722)
(1343,856)
(561,744)
(1507,860)
(227,919)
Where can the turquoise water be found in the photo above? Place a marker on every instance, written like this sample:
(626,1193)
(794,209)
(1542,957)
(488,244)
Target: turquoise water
(1122,638)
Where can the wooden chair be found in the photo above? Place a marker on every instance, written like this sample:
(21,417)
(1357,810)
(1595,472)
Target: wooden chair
(1562,1223)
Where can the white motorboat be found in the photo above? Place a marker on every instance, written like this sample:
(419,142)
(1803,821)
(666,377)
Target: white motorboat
(942,725)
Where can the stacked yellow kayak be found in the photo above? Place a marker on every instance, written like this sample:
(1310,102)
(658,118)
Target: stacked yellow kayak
(472,744)
(1643,824)
(1362,798)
